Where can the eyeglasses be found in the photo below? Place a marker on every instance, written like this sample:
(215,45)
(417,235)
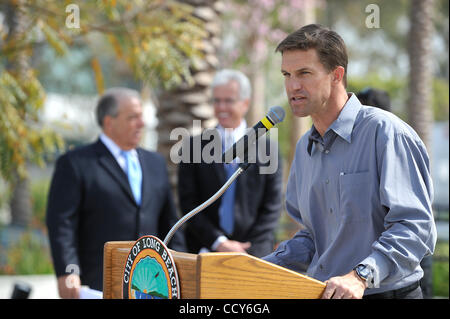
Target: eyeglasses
(226,101)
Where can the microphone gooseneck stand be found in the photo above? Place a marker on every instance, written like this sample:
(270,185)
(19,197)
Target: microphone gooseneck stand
(242,167)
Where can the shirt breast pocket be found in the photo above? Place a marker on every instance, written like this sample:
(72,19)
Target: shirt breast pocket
(354,196)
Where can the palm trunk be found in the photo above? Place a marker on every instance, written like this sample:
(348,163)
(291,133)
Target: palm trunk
(419,107)
(181,106)
(420,114)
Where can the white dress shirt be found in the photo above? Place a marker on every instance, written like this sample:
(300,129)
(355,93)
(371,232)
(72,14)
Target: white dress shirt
(116,151)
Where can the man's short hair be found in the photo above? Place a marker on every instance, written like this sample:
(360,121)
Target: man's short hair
(329,46)
(224,76)
(108,104)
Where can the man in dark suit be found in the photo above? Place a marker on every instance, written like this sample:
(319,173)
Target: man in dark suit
(110,190)
(244,218)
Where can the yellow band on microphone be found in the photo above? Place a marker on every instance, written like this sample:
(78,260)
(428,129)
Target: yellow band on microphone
(266,123)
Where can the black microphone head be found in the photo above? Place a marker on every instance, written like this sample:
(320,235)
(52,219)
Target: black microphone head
(276,114)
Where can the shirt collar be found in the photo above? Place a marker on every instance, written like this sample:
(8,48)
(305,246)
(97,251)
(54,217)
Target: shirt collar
(237,133)
(342,126)
(113,147)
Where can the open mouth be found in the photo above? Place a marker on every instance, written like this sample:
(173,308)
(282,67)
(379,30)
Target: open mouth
(298,98)
(223,115)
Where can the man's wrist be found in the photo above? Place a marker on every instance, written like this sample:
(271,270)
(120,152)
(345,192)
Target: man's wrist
(365,274)
(218,241)
(362,280)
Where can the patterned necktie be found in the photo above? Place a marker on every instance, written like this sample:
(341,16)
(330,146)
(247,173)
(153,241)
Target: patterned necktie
(134,173)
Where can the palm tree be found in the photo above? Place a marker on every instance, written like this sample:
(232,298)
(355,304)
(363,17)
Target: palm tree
(420,115)
(180,106)
(419,108)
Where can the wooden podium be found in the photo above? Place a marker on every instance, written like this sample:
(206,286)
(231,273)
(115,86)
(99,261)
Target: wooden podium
(217,276)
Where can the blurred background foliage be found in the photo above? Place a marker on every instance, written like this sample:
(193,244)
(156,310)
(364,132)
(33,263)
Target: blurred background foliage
(156,39)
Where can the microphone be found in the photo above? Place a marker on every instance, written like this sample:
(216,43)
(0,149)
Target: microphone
(239,149)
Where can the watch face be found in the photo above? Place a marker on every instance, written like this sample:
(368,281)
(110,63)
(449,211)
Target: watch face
(364,271)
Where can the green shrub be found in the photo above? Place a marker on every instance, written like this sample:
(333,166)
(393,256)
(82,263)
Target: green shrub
(440,270)
(39,193)
(29,255)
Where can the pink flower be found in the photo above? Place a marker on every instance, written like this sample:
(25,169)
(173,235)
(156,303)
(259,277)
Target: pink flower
(297,4)
(277,35)
(260,50)
(263,29)
(267,4)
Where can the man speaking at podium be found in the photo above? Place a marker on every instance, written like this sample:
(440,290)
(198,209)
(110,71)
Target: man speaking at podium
(110,190)
(359,182)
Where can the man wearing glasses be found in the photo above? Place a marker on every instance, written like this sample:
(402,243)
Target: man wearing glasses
(243,219)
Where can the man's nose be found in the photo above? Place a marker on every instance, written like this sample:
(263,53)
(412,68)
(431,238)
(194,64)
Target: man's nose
(295,84)
(141,122)
(223,102)
(221,107)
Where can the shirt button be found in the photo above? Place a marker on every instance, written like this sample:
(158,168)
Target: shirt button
(331,210)
(327,181)
(327,151)
(321,267)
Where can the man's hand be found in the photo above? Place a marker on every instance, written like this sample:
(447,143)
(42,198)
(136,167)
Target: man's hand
(235,246)
(349,286)
(69,286)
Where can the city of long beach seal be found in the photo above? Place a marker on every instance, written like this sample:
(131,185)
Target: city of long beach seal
(150,272)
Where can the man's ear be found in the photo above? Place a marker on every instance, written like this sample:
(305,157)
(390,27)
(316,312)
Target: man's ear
(106,123)
(338,74)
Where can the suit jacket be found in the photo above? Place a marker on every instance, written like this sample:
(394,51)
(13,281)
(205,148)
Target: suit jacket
(256,209)
(90,202)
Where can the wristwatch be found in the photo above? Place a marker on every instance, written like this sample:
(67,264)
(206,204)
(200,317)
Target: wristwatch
(364,273)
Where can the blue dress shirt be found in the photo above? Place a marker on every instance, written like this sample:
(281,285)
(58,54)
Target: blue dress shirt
(363,193)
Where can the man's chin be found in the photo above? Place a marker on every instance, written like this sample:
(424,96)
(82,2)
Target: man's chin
(298,112)
(228,124)
(134,143)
